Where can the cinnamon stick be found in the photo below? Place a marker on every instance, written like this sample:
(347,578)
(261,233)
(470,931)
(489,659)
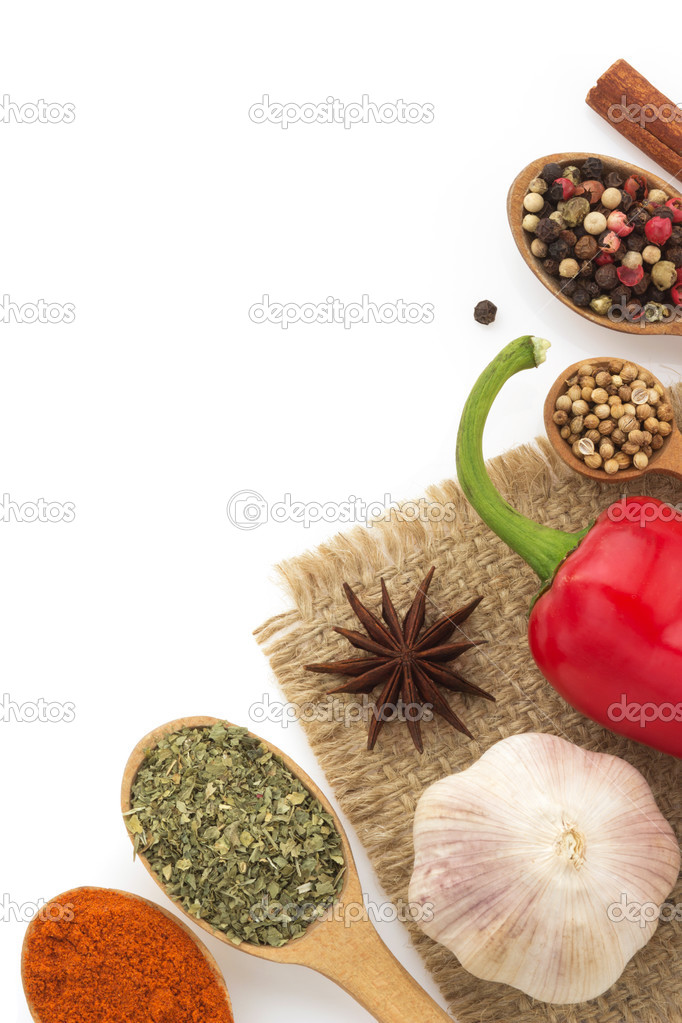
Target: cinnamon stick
(640,112)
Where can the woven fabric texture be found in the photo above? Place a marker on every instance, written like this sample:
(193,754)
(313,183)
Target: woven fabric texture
(379,790)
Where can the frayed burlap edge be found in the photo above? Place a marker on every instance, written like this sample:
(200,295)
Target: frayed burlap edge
(378,791)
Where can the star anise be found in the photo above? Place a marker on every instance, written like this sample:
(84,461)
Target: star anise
(409,665)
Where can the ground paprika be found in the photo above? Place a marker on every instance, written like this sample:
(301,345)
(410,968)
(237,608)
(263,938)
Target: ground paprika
(100,956)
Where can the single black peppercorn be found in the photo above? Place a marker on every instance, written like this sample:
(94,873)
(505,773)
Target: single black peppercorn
(636,242)
(640,289)
(614,179)
(592,169)
(555,193)
(569,287)
(550,172)
(587,268)
(676,236)
(637,217)
(548,230)
(621,293)
(569,237)
(655,295)
(560,249)
(579,232)
(592,288)
(664,211)
(581,297)
(607,277)
(551,267)
(626,202)
(673,253)
(485,312)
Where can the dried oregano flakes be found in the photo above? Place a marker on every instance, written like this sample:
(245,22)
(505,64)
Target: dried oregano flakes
(234,836)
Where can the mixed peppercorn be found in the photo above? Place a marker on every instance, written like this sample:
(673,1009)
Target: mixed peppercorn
(614,416)
(613,244)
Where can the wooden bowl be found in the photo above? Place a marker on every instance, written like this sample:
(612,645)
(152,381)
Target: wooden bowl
(523,239)
(667,460)
(215,969)
(344,947)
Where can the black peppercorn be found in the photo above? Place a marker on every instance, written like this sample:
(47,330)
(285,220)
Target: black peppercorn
(640,289)
(621,293)
(587,268)
(579,232)
(560,249)
(548,230)
(569,237)
(664,211)
(614,179)
(676,236)
(569,287)
(655,295)
(592,288)
(581,297)
(550,172)
(638,217)
(626,202)
(592,169)
(607,277)
(636,242)
(555,193)
(485,312)
(673,253)
(586,247)
(551,267)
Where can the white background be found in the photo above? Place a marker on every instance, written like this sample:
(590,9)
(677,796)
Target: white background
(163,213)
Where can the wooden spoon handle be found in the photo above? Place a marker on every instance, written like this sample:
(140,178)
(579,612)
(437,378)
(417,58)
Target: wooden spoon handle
(360,963)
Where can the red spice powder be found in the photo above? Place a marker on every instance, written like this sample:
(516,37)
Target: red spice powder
(99,956)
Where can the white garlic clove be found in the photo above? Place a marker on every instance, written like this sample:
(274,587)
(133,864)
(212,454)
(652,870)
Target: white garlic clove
(528,864)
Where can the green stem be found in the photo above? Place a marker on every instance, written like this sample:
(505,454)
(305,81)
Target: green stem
(543,548)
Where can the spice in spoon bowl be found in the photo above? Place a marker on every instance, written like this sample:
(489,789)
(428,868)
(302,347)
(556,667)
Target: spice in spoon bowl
(96,955)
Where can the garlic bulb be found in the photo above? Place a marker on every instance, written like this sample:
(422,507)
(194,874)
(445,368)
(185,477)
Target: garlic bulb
(539,866)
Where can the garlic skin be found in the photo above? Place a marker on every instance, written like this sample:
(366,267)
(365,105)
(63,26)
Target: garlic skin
(521,859)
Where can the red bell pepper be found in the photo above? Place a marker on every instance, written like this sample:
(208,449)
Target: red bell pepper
(606,627)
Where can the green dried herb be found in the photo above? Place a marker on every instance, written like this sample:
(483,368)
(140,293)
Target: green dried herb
(234,836)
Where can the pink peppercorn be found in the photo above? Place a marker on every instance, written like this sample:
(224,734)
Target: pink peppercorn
(676,206)
(658,230)
(630,276)
(610,242)
(676,294)
(618,223)
(636,186)
(603,258)
(567,187)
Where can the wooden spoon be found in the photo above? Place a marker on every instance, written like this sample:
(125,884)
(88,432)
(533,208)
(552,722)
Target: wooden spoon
(346,950)
(523,239)
(667,459)
(62,900)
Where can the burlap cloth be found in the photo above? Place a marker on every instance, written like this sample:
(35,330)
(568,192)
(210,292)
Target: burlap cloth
(379,790)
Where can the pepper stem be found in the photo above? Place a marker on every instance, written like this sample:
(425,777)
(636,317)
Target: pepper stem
(541,547)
